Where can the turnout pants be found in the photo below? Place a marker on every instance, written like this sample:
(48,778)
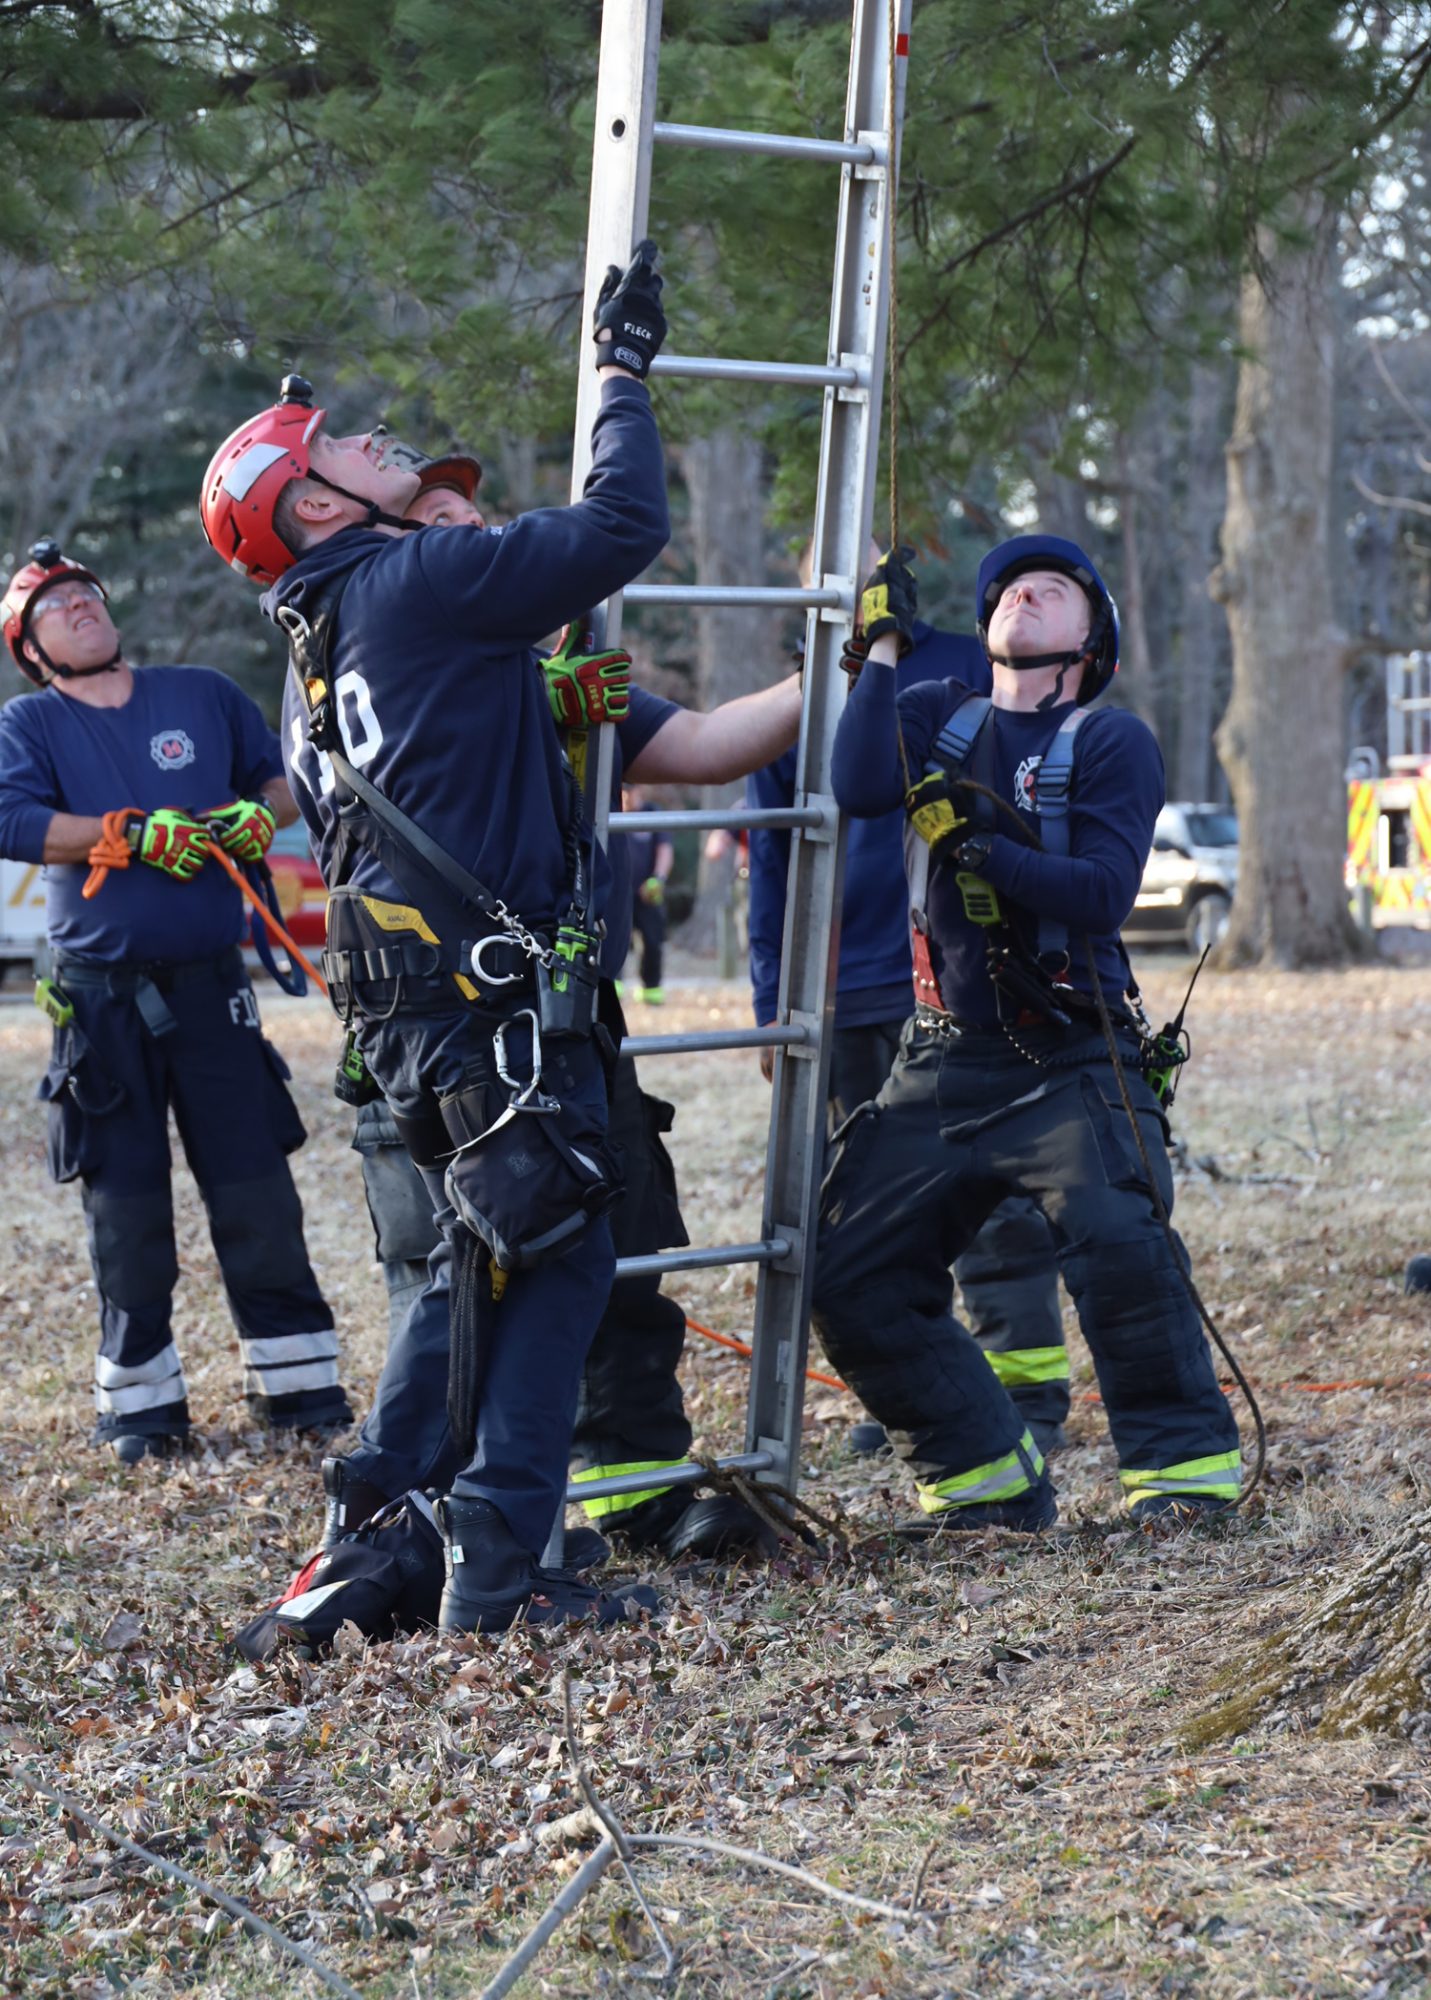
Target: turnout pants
(963,1123)
(1008,1276)
(539,1332)
(630,1415)
(648,922)
(147,1040)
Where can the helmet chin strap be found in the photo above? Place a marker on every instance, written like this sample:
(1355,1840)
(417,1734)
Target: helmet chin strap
(1029,662)
(60,673)
(375,515)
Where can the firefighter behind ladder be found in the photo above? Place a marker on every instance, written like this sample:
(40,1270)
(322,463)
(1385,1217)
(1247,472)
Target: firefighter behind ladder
(462,913)
(1003,1084)
(151,1005)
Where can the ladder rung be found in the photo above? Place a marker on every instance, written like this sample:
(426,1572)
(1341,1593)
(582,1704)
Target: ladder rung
(713,819)
(701,1039)
(779,145)
(769,1252)
(684,1474)
(800,374)
(757,596)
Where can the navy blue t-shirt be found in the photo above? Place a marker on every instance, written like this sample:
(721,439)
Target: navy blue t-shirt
(187,736)
(433,669)
(1118,791)
(875,976)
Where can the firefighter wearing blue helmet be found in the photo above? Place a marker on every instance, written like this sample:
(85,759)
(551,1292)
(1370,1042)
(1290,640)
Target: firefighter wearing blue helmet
(1029,819)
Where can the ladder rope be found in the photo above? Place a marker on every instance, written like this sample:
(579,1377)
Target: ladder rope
(892,342)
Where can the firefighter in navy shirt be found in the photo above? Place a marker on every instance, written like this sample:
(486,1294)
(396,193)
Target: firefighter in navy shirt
(1008,1275)
(652,858)
(415,648)
(631,1416)
(1003,1083)
(154,1009)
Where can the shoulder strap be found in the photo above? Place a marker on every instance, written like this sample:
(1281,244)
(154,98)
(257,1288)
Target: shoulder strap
(1053,794)
(954,745)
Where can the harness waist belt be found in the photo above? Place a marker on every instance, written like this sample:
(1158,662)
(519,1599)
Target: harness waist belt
(126,975)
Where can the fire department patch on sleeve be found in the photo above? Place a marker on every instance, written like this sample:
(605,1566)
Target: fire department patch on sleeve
(172,749)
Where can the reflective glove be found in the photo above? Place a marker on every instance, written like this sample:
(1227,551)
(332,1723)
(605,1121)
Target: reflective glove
(245,829)
(586,688)
(889,601)
(629,303)
(653,890)
(172,840)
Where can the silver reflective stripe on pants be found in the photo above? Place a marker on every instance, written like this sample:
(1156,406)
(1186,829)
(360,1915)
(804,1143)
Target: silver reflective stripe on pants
(282,1364)
(148,1386)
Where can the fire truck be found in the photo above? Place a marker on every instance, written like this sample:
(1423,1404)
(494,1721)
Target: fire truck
(1388,865)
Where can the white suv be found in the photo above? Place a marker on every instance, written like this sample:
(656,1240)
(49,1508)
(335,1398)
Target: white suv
(1190,878)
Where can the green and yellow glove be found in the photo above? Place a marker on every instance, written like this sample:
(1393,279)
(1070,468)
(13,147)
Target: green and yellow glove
(172,840)
(585,689)
(889,601)
(245,829)
(653,890)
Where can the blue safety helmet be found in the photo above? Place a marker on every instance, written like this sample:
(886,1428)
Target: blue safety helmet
(1026,552)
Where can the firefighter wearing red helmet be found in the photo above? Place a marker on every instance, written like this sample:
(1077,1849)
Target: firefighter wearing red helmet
(1030,817)
(428,771)
(152,1007)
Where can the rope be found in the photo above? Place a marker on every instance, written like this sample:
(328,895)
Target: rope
(740,1347)
(112,850)
(892,342)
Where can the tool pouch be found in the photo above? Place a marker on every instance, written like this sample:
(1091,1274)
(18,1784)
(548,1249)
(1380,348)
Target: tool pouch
(77,1095)
(526,1180)
(385,1579)
(372,971)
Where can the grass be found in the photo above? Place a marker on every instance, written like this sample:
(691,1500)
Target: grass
(383,1806)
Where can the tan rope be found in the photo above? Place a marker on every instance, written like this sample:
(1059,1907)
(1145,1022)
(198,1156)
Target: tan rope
(892,344)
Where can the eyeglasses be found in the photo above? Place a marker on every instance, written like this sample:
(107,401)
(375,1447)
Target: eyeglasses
(67,597)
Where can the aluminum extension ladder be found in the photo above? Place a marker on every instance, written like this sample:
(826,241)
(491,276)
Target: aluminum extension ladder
(852,377)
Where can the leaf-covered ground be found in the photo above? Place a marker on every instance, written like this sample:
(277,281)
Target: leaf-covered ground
(1005,1717)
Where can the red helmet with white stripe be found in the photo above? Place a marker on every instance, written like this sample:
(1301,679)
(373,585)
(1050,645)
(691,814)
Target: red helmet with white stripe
(246,475)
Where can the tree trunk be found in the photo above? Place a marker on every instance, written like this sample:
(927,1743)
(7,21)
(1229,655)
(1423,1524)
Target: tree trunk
(1281,738)
(1136,681)
(1203,627)
(736,651)
(1361,1659)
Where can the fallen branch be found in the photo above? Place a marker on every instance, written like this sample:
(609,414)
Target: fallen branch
(251,1922)
(753,1857)
(581,1884)
(615,1831)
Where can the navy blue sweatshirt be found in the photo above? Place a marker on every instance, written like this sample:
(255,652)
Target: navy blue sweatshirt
(1118,790)
(874,981)
(433,666)
(186,737)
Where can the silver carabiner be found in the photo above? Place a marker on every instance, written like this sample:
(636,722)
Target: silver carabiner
(480,972)
(530,1095)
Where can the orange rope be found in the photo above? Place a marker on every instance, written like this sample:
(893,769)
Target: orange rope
(111,850)
(271,923)
(740,1347)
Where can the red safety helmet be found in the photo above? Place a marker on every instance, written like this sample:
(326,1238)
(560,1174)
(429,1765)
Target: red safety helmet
(246,475)
(45,568)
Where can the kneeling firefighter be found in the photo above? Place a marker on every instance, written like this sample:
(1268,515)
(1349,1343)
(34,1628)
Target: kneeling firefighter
(1030,819)
(462,910)
(152,1008)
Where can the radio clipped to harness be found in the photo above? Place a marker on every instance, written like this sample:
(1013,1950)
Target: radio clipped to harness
(54,1002)
(566,983)
(353,1081)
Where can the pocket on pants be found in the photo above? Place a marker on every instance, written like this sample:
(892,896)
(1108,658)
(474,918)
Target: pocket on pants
(69,1139)
(1113,1136)
(848,1148)
(288,1128)
(665,1201)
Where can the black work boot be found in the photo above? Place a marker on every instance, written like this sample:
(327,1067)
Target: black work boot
(1029,1512)
(675,1524)
(347,1501)
(492,1581)
(129,1447)
(1418,1275)
(581,1549)
(1178,1510)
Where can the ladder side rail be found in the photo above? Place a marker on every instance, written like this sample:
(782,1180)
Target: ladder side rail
(859,317)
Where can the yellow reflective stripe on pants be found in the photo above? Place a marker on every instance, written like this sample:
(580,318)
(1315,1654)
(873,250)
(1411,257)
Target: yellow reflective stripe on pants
(606,1504)
(1219,1477)
(1005,1479)
(1018,1367)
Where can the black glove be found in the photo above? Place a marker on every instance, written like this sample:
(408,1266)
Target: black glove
(889,601)
(629,303)
(853,655)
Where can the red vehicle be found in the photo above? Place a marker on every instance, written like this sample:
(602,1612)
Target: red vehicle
(302,899)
